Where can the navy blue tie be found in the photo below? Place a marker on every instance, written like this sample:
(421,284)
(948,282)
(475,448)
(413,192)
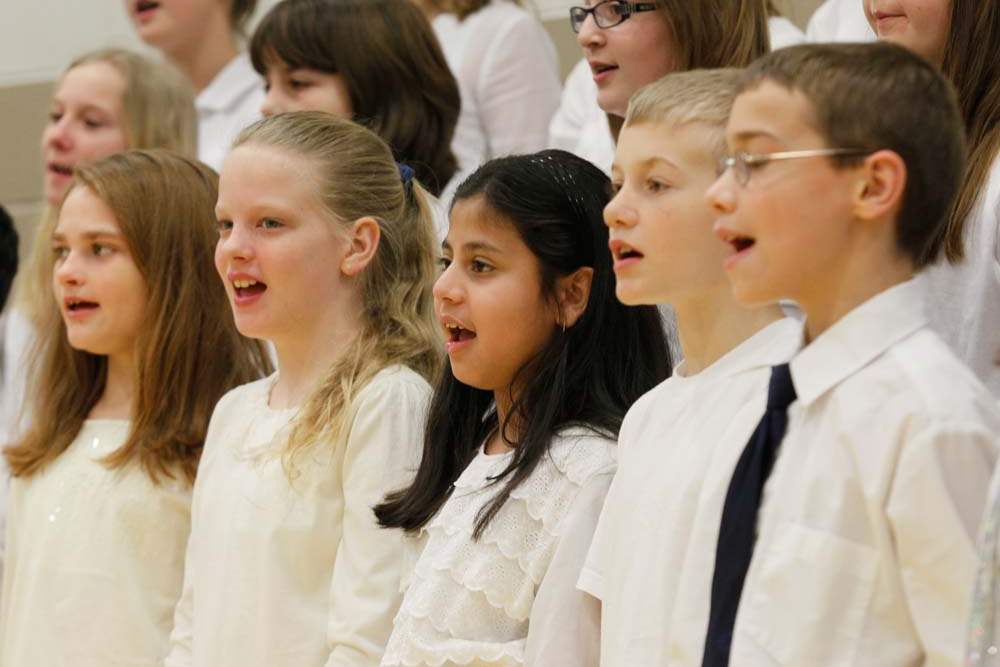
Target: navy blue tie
(738,530)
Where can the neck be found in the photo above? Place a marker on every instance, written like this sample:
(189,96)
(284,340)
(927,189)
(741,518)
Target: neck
(306,355)
(496,444)
(201,58)
(858,282)
(117,400)
(713,323)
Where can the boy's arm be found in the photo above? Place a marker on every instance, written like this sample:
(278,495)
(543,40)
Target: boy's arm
(935,507)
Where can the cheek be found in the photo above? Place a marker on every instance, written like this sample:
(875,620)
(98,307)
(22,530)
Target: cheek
(97,146)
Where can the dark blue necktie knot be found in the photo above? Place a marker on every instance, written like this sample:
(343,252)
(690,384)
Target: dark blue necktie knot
(781,389)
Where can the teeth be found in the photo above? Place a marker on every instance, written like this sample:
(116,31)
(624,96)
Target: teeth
(242,284)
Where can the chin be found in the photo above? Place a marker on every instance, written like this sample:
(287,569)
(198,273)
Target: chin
(469,376)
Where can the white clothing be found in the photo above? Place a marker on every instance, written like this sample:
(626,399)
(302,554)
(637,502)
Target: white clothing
(509,598)
(651,559)
(228,104)
(508,76)
(18,337)
(964,300)
(840,21)
(866,537)
(784,33)
(581,127)
(95,559)
(297,574)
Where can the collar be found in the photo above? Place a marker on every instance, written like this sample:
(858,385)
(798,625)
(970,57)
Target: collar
(235,80)
(774,344)
(857,339)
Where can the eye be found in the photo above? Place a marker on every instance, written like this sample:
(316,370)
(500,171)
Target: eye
(270,223)
(616,187)
(224,227)
(55,116)
(298,84)
(60,252)
(92,123)
(654,186)
(444,263)
(101,250)
(479,266)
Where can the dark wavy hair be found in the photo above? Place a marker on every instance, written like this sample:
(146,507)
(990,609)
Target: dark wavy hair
(588,376)
(396,74)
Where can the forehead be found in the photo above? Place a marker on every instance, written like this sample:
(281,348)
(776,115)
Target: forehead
(97,84)
(474,222)
(688,146)
(85,212)
(773,111)
(254,174)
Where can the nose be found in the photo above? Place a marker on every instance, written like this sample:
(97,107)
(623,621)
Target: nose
(722,195)
(590,36)
(235,246)
(68,271)
(58,135)
(619,212)
(447,287)
(273,103)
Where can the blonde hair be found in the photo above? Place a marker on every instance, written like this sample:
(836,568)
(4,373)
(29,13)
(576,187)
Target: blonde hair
(702,96)
(188,353)
(357,178)
(158,105)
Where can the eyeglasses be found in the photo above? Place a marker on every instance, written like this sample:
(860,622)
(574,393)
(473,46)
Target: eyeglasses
(608,13)
(743,164)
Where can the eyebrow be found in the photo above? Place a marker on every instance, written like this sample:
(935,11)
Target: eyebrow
(91,235)
(473,246)
(747,135)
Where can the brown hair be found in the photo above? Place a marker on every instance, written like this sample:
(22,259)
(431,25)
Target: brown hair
(703,96)
(717,33)
(239,14)
(358,177)
(971,64)
(880,96)
(158,104)
(461,8)
(188,353)
(398,79)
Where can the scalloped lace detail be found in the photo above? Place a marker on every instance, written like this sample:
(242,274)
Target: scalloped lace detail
(469,602)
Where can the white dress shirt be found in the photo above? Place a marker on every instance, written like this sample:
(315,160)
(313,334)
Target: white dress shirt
(95,559)
(297,573)
(840,21)
(866,538)
(509,598)
(964,304)
(228,104)
(651,559)
(508,75)
(581,127)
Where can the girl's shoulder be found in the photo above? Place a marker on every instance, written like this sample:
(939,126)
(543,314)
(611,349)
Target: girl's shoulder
(579,454)
(394,382)
(246,398)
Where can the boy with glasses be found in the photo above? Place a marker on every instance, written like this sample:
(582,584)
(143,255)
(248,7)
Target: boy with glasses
(877,444)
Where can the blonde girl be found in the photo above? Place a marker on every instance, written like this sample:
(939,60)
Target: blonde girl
(326,249)
(136,345)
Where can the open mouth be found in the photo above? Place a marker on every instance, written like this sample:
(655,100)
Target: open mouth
(599,69)
(622,251)
(741,243)
(247,288)
(60,169)
(74,305)
(458,334)
(146,6)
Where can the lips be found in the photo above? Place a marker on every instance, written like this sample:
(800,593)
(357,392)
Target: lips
(458,335)
(144,9)
(246,288)
(623,254)
(76,307)
(59,169)
(740,243)
(601,70)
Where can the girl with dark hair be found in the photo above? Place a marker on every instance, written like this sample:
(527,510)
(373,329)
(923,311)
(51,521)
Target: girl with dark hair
(373,61)
(519,447)
(204,39)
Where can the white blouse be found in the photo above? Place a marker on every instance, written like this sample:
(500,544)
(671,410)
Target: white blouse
(509,598)
(964,301)
(297,573)
(508,77)
(228,104)
(839,21)
(95,559)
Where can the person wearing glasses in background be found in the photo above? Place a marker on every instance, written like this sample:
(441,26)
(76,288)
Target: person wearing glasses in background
(583,125)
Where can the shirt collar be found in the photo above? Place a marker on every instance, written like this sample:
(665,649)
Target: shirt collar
(774,344)
(235,80)
(856,339)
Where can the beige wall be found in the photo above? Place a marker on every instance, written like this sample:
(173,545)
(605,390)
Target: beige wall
(25,82)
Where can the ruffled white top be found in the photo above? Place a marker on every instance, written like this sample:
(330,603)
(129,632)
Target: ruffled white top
(509,598)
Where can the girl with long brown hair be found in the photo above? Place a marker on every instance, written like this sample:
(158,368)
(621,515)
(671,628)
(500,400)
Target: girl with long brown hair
(326,249)
(136,348)
(962,37)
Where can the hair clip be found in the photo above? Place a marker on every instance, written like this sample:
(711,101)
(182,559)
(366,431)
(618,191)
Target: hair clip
(405,173)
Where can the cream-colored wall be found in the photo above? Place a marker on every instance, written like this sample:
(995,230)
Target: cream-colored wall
(39,37)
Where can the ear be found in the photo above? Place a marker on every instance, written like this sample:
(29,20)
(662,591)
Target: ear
(362,241)
(573,294)
(879,193)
